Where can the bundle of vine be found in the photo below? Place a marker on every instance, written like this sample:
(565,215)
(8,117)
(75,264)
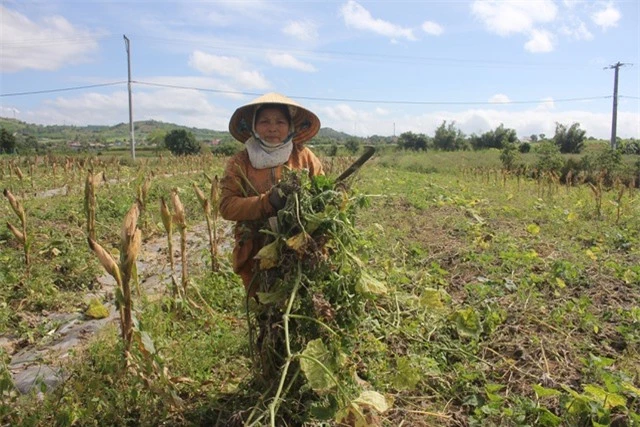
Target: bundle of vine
(312,291)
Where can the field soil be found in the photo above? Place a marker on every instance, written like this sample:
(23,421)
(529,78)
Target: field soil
(33,365)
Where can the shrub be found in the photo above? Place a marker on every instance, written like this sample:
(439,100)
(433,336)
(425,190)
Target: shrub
(549,158)
(412,141)
(227,148)
(449,138)
(525,147)
(181,142)
(508,156)
(569,140)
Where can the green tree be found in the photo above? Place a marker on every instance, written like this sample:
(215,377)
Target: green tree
(352,145)
(156,137)
(227,148)
(496,138)
(509,155)
(449,138)
(569,140)
(412,141)
(181,142)
(7,142)
(533,137)
(549,158)
(332,151)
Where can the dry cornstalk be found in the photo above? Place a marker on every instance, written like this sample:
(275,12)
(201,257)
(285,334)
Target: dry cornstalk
(19,173)
(125,271)
(597,194)
(180,220)
(143,192)
(618,202)
(168,226)
(215,203)
(130,242)
(206,207)
(18,209)
(90,205)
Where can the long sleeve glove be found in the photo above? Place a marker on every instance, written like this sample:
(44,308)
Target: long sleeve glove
(277,198)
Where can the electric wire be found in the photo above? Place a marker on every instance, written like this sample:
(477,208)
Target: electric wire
(375,101)
(65,89)
(317,98)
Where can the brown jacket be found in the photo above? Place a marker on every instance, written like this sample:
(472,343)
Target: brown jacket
(245,199)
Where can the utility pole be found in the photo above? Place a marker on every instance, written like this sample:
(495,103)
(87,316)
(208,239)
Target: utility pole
(132,136)
(614,115)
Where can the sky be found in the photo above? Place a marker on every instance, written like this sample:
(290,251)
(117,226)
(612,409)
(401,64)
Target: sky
(366,68)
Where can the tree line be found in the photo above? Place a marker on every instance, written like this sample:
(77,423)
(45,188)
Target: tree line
(570,139)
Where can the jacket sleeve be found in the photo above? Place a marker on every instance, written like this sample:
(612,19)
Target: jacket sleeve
(314,163)
(240,202)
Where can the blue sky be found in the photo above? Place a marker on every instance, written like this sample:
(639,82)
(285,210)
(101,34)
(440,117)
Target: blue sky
(365,67)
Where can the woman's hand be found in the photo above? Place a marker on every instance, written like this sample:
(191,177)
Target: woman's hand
(277,198)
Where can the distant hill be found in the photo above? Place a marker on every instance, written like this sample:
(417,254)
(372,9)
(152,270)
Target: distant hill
(120,132)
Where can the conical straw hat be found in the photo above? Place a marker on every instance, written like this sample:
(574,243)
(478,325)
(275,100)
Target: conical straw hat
(306,123)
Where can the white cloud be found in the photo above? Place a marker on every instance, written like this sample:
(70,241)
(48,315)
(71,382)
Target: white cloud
(577,31)
(341,112)
(499,98)
(227,90)
(540,41)
(546,104)
(525,122)
(513,17)
(607,17)
(46,45)
(285,60)
(193,108)
(432,28)
(358,17)
(227,66)
(302,30)
(571,4)
(189,108)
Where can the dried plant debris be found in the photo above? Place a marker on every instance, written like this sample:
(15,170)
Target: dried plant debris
(312,291)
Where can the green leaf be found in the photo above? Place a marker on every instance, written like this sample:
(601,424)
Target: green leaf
(313,361)
(432,298)
(533,229)
(467,322)
(547,418)
(630,277)
(373,400)
(631,389)
(545,392)
(607,400)
(147,342)
(368,285)
(268,256)
(407,377)
(96,310)
(272,297)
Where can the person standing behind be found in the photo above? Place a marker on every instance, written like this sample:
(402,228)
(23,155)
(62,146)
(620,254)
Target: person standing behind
(274,129)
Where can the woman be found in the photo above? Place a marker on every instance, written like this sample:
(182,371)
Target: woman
(273,129)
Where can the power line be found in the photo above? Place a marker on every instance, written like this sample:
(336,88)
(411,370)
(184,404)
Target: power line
(364,56)
(315,98)
(36,92)
(375,101)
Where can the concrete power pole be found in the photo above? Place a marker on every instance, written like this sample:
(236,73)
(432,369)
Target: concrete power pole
(132,136)
(614,115)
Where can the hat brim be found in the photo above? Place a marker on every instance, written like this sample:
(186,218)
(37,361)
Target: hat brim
(306,123)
